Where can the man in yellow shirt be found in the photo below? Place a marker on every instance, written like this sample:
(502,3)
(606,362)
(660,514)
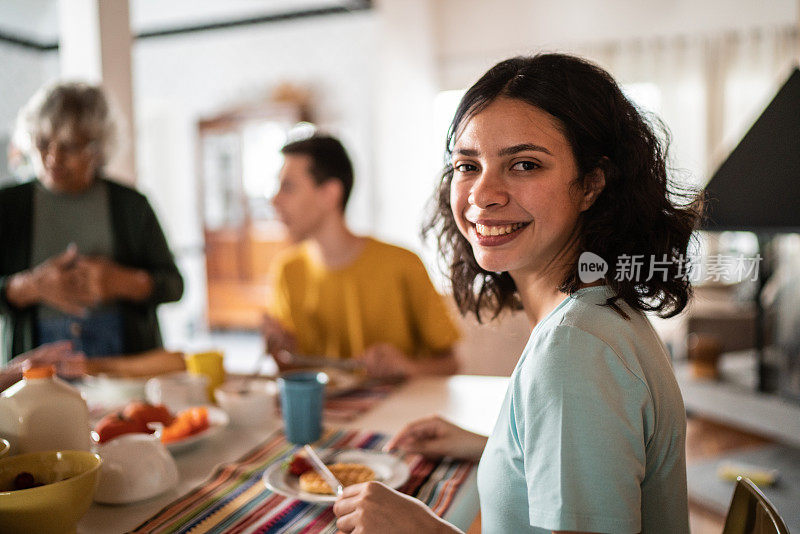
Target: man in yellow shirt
(340,295)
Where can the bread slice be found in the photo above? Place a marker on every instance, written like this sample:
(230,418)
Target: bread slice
(348,474)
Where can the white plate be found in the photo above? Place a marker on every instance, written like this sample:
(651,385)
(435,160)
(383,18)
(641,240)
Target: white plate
(341,382)
(217,420)
(388,469)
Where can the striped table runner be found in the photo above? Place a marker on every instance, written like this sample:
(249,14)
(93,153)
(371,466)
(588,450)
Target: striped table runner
(234,500)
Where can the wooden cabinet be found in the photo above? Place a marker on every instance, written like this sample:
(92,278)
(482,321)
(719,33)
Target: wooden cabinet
(237,265)
(239,159)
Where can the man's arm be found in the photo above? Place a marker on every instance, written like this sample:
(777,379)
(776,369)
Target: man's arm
(278,342)
(431,318)
(384,360)
(153,362)
(444,363)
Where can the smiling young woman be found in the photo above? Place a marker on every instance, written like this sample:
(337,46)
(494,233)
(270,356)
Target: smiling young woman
(548,160)
(513,194)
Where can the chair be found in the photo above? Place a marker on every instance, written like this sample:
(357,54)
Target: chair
(751,513)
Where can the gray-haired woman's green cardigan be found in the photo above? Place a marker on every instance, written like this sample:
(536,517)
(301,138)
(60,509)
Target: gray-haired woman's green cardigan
(138,242)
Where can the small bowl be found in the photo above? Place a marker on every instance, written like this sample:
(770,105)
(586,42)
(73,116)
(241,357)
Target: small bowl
(70,480)
(112,391)
(135,467)
(177,391)
(5,446)
(249,402)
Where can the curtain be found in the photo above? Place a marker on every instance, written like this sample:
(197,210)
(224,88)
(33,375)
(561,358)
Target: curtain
(707,89)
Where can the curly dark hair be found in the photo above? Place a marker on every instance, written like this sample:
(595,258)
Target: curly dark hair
(640,212)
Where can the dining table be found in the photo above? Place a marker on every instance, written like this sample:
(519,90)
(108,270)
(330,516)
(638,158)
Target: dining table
(470,401)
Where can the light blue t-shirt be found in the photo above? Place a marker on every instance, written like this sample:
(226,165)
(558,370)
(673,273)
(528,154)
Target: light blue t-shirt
(591,433)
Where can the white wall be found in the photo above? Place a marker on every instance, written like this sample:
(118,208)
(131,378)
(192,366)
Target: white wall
(32,19)
(407,153)
(21,76)
(22,69)
(474,34)
(180,79)
(152,15)
(22,72)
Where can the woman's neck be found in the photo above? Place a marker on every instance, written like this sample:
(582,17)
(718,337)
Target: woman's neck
(539,294)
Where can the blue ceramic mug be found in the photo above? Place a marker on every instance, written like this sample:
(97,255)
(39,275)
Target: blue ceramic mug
(302,395)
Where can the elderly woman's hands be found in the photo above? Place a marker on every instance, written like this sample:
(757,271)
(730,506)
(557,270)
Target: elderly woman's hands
(54,282)
(374,507)
(73,283)
(104,280)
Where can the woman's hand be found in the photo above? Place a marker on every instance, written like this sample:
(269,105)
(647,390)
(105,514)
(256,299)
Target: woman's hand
(435,437)
(373,507)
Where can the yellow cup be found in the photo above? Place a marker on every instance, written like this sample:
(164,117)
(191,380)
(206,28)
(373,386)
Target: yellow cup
(209,364)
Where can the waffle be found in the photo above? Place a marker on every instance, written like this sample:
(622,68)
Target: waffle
(348,474)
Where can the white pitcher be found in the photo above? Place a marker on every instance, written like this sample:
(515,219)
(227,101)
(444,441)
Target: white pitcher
(41,412)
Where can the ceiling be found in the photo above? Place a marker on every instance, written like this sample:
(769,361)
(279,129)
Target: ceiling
(37,20)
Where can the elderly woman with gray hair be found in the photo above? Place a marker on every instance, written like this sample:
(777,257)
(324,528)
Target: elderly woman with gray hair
(82,258)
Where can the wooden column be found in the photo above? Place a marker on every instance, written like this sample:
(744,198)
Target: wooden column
(95,46)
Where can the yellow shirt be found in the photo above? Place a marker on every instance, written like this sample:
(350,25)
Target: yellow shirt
(383,296)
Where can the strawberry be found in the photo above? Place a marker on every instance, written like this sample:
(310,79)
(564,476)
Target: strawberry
(299,465)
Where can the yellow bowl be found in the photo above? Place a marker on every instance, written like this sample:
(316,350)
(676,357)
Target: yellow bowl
(70,480)
(5,446)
